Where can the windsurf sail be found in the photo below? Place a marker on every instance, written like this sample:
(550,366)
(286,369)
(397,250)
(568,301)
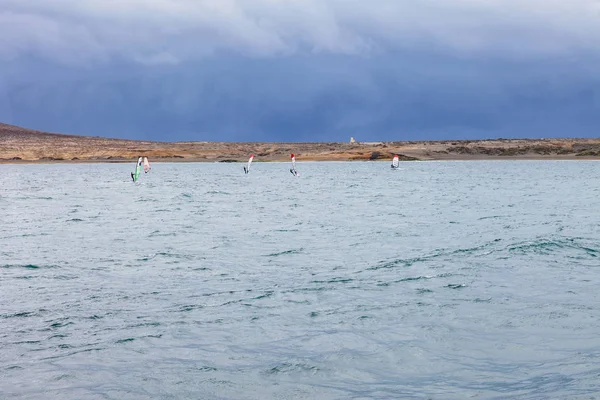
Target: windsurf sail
(395,161)
(146,165)
(293,169)
(247,168)
(138,168)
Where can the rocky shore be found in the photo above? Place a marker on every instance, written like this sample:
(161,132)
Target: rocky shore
(20,145)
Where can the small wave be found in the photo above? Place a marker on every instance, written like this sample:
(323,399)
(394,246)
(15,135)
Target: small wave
(415,278)
(217,192)
(264,295)
(456,285)
(73,353)
(190,307)
(545,246)
(164,254)
(539,247)
(206,369)
(158,234)
(27,235)
(144,324)
(288,368)
(28,266)
(282,253)
(28,342)
(59,336)
(335,280)
(65,277)
(492,217)
(173,255)
(157,336)
(316,289)
(407,262)
(60,324)
(23,314)
(478,300)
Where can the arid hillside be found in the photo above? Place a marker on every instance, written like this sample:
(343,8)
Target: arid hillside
(25,145)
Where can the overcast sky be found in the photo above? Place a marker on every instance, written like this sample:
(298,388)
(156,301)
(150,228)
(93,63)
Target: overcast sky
(298,70)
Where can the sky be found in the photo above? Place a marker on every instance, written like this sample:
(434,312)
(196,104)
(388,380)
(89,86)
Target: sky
(302,70)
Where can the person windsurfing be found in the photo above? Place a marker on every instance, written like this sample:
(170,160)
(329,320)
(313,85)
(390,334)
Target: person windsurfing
(293,169)
(146,165)
(247,168)
(138,168)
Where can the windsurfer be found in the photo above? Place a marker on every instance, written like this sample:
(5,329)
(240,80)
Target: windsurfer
(293,169)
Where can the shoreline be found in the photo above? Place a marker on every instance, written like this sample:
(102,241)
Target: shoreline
(25,146)
(205,161)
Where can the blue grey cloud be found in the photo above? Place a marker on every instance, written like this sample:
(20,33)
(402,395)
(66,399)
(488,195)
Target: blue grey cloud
(167,31)
(301,69)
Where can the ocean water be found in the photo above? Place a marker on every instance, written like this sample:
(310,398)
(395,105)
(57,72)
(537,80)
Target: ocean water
(441,280)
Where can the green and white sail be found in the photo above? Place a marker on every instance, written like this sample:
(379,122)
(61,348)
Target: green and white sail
(138,169)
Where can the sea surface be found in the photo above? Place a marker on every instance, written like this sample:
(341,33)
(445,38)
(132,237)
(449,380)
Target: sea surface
(441,280)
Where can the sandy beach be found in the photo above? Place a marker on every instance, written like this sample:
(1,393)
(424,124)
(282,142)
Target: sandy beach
(21,145)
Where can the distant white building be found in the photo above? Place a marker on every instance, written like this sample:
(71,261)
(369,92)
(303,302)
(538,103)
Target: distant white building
(352,139)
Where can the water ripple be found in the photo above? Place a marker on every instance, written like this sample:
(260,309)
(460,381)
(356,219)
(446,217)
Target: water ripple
(448,280)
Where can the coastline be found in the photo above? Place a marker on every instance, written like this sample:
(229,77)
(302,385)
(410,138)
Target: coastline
(24,146)
(193,160)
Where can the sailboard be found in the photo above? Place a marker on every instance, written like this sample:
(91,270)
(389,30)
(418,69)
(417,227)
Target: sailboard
(146,165)
(247,168)
(138,169)
(293,169)
(395,161)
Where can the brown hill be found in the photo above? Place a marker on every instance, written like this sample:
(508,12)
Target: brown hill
(25,145)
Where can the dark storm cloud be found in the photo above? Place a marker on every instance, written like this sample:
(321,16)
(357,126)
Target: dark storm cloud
(300,69)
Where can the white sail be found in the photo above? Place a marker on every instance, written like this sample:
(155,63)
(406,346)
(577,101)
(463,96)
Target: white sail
(146,165)
(293,169)
(247,167)
(395,161)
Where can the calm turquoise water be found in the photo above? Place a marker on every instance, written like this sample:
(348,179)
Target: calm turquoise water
(443,280)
